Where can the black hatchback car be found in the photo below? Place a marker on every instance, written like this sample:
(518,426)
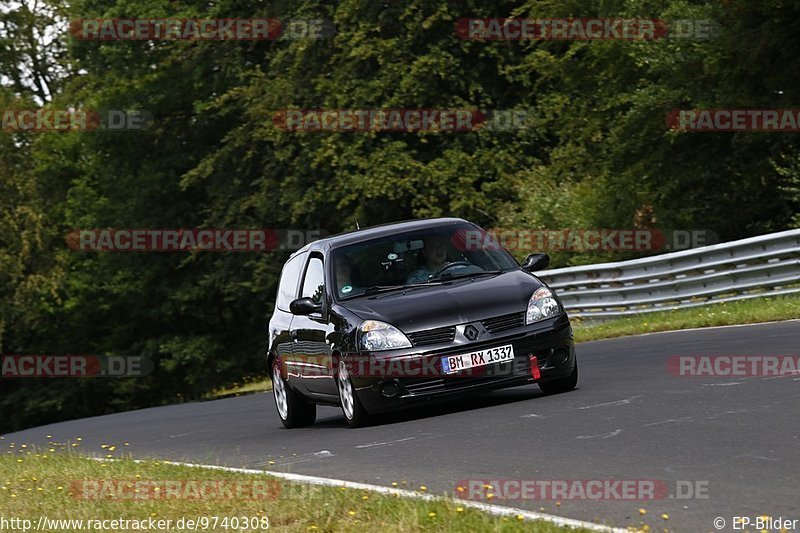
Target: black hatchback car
(390,316)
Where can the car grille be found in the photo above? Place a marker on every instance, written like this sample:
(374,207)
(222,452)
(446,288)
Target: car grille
(433,336)
(504,322)
(494,325)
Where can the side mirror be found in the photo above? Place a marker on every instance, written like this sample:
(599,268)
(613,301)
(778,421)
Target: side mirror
(535,262)
(304,306)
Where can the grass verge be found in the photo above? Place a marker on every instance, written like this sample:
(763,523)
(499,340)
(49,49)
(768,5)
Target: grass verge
(764,309)
(55,485)
(249,386)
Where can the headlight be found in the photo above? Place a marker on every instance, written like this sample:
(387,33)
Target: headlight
(543,304)
(381,336)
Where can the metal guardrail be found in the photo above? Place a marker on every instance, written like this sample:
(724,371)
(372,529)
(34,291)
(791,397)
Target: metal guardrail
(767,265)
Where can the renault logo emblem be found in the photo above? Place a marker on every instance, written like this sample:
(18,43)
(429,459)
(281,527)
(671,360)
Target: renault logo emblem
(471,332)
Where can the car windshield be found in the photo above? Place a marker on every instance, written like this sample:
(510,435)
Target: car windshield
(417,258)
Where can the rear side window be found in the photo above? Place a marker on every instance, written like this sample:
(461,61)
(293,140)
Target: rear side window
(290,277)
(314,282)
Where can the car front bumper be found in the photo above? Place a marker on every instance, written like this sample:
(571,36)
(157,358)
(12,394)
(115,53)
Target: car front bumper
(551,341)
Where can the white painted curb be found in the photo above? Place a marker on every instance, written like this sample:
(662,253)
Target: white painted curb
(498,510)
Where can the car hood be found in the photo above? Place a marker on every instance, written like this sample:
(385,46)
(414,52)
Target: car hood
(461,301)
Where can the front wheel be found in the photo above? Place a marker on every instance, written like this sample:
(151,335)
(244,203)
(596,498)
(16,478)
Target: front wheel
(354,412)
(293,410)
(557,386)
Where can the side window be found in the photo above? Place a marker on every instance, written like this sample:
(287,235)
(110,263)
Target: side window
(314,282)
(290,276)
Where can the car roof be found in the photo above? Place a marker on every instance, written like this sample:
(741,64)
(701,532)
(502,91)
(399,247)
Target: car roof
(383,230)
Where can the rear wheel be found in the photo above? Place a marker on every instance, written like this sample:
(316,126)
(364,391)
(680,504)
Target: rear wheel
(354,412)
(293,410)
(557,386)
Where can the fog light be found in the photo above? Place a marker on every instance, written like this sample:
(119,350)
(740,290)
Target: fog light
(535,372)
(390,388)
(560,357)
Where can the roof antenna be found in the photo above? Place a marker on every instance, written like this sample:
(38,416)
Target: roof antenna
(357,225)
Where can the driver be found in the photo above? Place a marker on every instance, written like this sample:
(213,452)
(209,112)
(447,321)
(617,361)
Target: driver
(434,253)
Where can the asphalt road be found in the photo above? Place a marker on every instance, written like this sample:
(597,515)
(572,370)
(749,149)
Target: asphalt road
(739,439)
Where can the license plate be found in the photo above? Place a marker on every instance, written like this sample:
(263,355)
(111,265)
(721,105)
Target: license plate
(456,363)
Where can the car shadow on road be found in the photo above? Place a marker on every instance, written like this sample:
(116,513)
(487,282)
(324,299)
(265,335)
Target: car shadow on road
(430,409)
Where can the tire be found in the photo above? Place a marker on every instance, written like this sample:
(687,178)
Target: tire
(353,410)
(557,386)
(293,410)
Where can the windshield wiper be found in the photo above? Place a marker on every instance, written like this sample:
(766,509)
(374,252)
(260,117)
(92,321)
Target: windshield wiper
(383,288)
(447,276)
(376,289)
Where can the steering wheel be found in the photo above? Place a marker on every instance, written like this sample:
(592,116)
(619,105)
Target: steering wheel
(448,266)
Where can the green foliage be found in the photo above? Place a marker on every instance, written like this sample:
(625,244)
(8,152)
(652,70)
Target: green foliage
(597,154)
